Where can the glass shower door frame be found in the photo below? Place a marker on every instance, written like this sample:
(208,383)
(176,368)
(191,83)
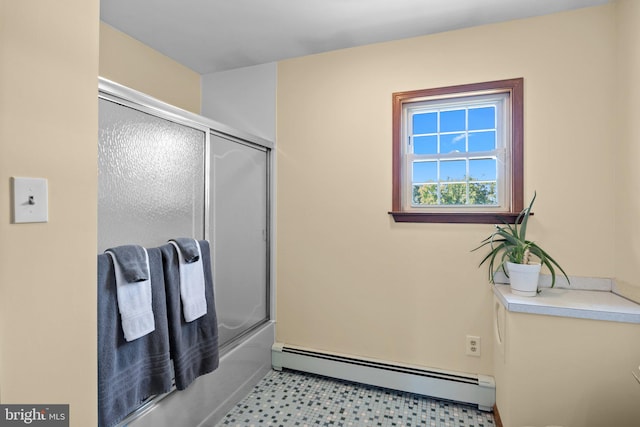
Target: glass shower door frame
(114,92)
(125,96)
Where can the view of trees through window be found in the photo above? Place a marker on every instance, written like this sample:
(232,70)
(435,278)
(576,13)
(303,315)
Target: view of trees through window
(455,194)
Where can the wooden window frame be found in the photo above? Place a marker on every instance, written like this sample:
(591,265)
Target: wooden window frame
(515,88)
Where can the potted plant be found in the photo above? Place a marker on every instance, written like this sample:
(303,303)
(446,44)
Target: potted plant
(511,252)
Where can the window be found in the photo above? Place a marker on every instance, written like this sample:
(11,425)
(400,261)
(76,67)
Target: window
(457,153)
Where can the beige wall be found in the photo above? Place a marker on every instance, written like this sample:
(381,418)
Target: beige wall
(48,128)
(133,64)
(351,280)
(627,146)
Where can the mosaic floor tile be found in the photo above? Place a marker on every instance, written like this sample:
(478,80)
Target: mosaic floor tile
(289,398)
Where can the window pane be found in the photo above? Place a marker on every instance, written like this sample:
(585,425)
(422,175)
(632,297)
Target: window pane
(451,121)
(482,118)
(482,170)
(425,144)
(483,194)
(453,194)
(453,170)
(425,172)
(425,194)
(425,123)
(482,141)
(453,143)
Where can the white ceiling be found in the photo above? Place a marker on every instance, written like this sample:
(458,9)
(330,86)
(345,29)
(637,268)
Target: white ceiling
(215,35)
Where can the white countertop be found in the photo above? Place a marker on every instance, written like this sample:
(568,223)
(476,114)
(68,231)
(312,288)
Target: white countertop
(582,304)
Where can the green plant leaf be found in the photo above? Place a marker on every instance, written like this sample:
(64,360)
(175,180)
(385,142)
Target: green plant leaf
(525,217)
(508,243)
(513,229)
(549,262)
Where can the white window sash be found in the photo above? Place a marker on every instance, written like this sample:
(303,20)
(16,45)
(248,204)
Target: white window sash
(502,153)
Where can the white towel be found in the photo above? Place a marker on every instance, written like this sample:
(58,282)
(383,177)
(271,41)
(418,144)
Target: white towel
(134,303)
(194,303)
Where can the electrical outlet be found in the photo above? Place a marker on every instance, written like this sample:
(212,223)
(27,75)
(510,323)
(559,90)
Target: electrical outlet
(473,346)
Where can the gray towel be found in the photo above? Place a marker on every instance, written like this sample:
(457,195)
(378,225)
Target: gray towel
(188,249)
(129,372)
(133,261)
(194,345)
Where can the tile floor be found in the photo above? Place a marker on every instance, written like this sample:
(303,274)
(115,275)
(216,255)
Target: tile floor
(291,398)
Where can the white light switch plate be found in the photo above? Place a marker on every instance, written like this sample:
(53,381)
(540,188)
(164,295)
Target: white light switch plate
(30,200)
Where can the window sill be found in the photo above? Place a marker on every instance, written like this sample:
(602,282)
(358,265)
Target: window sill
(455,218)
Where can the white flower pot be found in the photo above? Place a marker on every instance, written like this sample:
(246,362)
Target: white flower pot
(523,278)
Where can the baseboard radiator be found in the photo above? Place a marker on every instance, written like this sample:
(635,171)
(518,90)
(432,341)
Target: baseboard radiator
(472,389)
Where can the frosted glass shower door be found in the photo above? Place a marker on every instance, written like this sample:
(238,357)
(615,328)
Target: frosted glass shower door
(151,178)
(239,197)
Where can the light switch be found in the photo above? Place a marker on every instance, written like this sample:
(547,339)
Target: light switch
(30,200)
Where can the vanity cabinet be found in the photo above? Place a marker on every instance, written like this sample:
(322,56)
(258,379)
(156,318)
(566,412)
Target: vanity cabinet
(565,358)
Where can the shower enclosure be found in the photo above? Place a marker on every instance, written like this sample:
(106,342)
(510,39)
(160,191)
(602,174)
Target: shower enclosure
(166,173)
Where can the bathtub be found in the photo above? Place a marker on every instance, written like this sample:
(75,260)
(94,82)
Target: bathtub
(205,402)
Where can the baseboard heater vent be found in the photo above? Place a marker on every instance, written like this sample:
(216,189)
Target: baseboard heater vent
(460,387)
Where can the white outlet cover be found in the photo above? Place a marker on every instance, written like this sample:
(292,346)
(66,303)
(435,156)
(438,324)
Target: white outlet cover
(30,200)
